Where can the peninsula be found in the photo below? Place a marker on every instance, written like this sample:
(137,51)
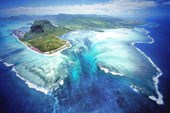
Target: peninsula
(43,37)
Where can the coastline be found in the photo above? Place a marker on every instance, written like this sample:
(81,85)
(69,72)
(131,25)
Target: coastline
(159,99)
(62,48)
(65,46)
(155,79)
(31,85)
(28,83)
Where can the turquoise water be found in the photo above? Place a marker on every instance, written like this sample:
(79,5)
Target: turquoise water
(96,60)
(112,51)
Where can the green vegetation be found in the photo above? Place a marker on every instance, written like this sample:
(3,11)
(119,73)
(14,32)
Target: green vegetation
(76,22)
(73,22)
(43,35)
(47,43)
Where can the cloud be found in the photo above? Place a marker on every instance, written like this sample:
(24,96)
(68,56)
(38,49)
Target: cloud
(118,7)
(166,3)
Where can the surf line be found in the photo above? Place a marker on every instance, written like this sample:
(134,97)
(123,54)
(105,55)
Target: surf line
(31,85)
(54,54)
(155,79)
(28,83)
(113,73)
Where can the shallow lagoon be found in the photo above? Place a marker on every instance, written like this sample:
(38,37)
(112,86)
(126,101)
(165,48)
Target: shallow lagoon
(95,60)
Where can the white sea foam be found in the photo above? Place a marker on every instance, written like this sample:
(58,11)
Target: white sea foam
(104,69)
(61,82)
(5,63)
(41,89)
(8,64)
(158,100)
(31,85)
(153,98)
(107,71)
(134,88)
(34,86)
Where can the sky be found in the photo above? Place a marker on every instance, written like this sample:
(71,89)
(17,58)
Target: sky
(119,8)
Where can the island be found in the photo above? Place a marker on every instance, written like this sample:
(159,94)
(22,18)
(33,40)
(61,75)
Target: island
(100,45)
(43,37)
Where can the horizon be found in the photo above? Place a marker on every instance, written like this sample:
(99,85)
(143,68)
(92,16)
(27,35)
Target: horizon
(115,8)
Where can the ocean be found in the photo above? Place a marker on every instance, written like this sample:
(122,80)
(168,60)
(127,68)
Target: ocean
(96,80)
(159,51)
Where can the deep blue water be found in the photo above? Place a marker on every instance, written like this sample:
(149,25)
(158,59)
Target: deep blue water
(159,51)
(16,97)
(101,93)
